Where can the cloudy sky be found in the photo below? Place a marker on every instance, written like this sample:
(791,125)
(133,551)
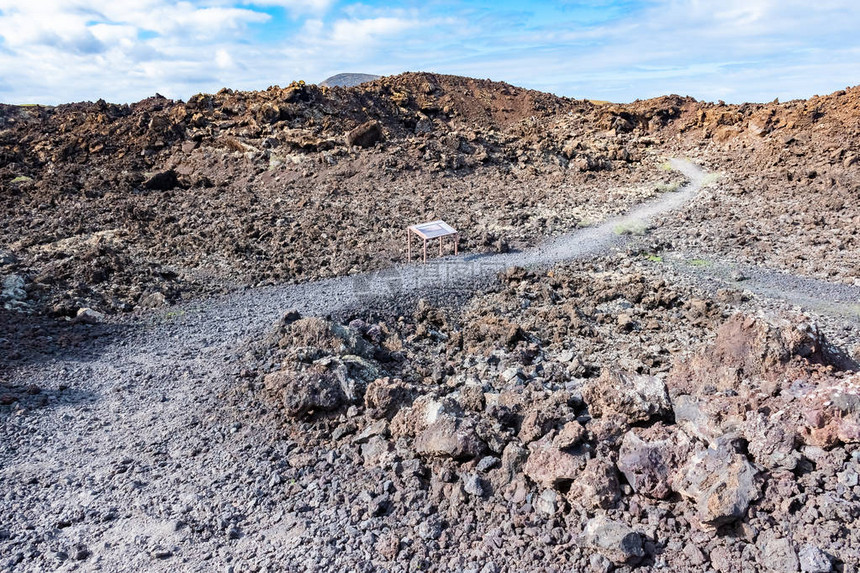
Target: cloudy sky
(54,51)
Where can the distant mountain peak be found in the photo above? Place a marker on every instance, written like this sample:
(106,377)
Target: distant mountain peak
(347,80)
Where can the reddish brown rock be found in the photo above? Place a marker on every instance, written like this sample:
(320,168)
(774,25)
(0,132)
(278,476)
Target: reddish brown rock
(635,397)
(596,487)
(720,483)
(648,459)
(550,466)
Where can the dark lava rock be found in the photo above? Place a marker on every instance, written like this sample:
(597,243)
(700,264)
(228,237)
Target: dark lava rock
(365,135)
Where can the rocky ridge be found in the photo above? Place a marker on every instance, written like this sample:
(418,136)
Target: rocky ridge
(606,414)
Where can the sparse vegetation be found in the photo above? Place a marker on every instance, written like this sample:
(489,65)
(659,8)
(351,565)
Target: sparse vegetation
(630,228)
(711,178)
(668,187)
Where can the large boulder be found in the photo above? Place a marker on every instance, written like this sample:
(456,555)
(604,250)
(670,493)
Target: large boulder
(749,353)
(596,487)
(550,466)
(439,428)
(720,483)
(831,412)
(314,337)
(648,459)
(365,135)
(635,397)
(318,389)
(775,382)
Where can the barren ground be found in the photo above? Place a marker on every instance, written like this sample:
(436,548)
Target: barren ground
(634,363)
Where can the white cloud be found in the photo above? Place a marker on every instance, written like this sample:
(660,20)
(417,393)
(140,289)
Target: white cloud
(223,59)
(361,32)
(26,22)
(295,6)
(64,50)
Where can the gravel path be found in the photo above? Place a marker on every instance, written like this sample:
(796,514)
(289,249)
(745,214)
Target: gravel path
(125,460)
(840,301)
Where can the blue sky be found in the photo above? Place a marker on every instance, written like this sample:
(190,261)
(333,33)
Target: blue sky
(54,51)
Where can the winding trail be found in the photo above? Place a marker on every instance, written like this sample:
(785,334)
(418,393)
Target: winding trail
(127,455)
(841,301)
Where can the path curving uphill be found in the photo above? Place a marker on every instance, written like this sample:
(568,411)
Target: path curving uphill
(125,464)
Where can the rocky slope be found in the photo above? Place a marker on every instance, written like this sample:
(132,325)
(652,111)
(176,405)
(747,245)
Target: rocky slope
(121,206)
(643,408)
(588,417)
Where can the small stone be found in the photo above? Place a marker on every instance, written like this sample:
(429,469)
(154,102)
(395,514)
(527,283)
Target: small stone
(599,564)
(848,478)
(377,428)
(472,397)
(487,463)
(694,554)
(597,486)
(343,430)
(512,375)
(614,540)
(625,322)
(535,424)
(429,529)
(647,463)
(153,300)
(566,355)
(547,502)
(570,435)
(376,452)
(81,553)
(388,545)
(385,396)
(814,560)
(450,436)
(777,553)
(88,316)
(473,486)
